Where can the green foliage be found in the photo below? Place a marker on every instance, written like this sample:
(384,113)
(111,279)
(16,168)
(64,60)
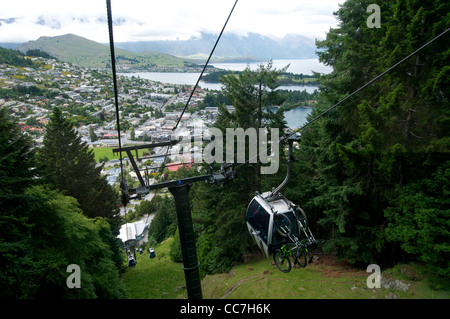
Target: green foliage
(16,174)
(69,165)
(43,231)
(145,207)
(419,219)
(14,57)
(293,99)
(39,53)
(285,79)
(19,91)
(220,250)
(213,100)
(61,236)
(164,224)
(363,167)
(175,248)
(92,134)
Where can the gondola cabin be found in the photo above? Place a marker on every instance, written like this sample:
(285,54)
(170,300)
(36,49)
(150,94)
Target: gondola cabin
(260,221)
(131,260)
(151,252)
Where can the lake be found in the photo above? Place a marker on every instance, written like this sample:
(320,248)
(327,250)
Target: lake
(297,66)
(305,66)
(296,117)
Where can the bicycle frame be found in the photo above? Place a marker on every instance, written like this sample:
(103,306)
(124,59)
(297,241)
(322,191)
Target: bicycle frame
(299,248)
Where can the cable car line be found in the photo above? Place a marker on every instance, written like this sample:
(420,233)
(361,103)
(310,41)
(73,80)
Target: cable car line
(201,74)
(178,188)
(266,208)
(190,96)
(367,84)
(113,66)
(124,192)
(206,64)
(299,129)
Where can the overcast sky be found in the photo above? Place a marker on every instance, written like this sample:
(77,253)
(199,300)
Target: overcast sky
(143,20)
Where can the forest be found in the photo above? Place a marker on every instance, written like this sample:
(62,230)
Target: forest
(372,175)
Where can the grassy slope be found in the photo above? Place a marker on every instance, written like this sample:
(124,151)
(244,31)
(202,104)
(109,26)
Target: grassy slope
(86,53)
(156,278)
(159,278)
(101,152)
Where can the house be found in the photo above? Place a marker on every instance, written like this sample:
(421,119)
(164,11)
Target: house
(110,136)
(173,167)
(104,143)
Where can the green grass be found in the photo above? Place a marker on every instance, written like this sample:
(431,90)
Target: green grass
(156,278)
(260,279)
(101,152)
(159,278)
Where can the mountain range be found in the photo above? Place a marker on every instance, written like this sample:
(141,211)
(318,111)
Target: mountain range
(151,55)
(260,47)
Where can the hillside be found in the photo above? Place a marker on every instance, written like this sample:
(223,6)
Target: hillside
(257,278)
(86,53)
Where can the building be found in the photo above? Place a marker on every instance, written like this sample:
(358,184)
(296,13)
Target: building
(133,231)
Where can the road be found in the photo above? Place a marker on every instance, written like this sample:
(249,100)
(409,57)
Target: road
(169,101)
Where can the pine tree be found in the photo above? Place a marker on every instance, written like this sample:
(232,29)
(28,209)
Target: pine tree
(364,165)
(43,231)
(68,164)
(417,157)
(253,95)
(16,174)
(219,217)
(334,192)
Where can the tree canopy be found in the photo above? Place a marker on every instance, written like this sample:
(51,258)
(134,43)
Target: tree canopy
(371,171)
(69,165)
(43,231)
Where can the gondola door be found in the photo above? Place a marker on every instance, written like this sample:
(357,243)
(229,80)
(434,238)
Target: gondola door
(258,221)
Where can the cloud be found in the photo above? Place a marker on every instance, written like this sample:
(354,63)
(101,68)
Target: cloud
(141,20)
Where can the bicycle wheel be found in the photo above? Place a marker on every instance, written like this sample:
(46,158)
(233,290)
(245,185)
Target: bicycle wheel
(282,261)
(300,258)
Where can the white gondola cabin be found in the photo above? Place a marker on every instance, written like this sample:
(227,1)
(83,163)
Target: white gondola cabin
(261,221)
(269,209)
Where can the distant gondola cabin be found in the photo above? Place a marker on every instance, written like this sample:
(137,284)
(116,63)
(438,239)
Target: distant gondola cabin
(151,252)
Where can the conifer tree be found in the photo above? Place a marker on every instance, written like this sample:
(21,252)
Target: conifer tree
(68,164)
(43,231)
(16,174)
(253,95)
(364,166)
(220,216)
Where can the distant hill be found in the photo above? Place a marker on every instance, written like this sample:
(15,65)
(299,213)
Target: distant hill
(86,53)
(254,45)
(9,45)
